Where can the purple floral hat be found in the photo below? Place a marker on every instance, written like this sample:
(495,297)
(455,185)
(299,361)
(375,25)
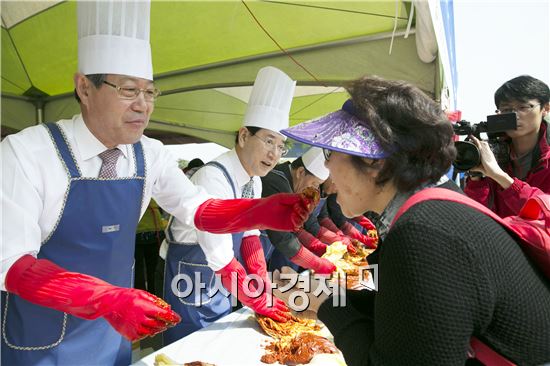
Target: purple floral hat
(340,131)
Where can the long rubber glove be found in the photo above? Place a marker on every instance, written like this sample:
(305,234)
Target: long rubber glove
(352,232)
(253,256)
(133,313)
(327,236)
(365,223)
(310,242)
(278,311)
(281,212)
(329,224)
(307,259)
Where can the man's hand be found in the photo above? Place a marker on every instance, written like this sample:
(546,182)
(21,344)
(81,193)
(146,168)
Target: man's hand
(133,313)
(281,212)
(489,165)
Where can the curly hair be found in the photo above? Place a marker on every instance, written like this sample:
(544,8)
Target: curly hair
(410,125)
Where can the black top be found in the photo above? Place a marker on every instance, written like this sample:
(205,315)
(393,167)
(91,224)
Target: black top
(279,180)
(446,272)
(335,211)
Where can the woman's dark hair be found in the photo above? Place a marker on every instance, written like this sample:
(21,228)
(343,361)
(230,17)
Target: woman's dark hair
(410,125)
(250,129)
(96,79)
(522,88)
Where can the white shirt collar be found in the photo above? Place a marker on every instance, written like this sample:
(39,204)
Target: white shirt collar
(241,176)
(87,144)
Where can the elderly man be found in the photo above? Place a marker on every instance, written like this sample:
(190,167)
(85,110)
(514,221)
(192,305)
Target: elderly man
(75,191)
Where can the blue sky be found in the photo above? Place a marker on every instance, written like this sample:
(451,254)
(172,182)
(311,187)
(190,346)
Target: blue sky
(496,41)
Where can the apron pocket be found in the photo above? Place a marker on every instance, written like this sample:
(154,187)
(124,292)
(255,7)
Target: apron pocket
(193,276)
(30,327)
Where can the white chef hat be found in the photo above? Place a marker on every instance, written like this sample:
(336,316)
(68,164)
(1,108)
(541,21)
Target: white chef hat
(314,161)
(113,38)
(269,103)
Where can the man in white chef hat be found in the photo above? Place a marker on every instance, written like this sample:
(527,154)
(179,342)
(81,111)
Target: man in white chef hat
(300,248)
(75,191)
(258,147)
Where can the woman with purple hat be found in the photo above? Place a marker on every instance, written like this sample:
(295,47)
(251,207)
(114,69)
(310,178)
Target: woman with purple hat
(446,272)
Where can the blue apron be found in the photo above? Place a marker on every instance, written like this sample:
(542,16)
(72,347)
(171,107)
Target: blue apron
(200,307)
(94,235)
(278,260)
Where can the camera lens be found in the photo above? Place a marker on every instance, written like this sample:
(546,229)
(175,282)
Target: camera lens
(467,156)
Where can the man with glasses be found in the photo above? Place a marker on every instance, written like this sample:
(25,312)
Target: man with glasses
(72,195)
(302,248)
(235,174)
(505,189)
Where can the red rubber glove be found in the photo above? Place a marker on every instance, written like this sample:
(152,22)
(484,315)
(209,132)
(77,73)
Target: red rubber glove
(254,262)
(278,311)
(352,232)
(329,224)
(327,236)
(305,258)
(311,242)
(281,212)
(133,313)
(364,222)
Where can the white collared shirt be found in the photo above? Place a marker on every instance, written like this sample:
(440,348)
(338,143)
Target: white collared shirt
(218,248)
(34,182)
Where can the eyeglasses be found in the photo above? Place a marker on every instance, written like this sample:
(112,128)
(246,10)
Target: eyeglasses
(327,153)
(269,144)
(521,109)
(132,93)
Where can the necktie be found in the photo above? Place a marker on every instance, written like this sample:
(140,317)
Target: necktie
(248,189)
(109,158)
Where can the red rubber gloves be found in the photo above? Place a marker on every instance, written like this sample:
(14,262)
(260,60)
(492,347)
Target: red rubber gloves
(311,242)
(133,313)
(278,311)
(307,259)
(364,222)
(253,257)
(281,212)
(330,237)
(353,233)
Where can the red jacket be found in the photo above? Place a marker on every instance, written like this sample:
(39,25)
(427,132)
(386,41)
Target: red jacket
(507,202)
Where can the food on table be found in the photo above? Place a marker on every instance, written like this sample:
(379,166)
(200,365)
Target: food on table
(349,263)
(162,360)
(299,349)
(290,328)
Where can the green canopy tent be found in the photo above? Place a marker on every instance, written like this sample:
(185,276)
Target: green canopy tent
(206,55)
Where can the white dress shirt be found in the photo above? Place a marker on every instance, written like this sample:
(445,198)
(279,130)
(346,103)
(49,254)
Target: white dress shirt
(218,248)
(34,182)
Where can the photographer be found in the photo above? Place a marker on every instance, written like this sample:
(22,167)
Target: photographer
(505,189)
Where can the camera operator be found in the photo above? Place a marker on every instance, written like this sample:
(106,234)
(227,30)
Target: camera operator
(505,189)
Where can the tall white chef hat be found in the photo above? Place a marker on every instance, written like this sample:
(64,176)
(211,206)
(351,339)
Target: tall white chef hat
(113,38)
(269,103)
(314,161)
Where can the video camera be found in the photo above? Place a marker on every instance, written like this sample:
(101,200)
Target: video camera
(468,155)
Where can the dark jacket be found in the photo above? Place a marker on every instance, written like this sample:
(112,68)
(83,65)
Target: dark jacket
(279,180)
(446,272)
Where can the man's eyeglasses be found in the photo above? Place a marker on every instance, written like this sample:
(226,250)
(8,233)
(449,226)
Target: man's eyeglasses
(327,153)
(520,109)
(269,144)
(132,93)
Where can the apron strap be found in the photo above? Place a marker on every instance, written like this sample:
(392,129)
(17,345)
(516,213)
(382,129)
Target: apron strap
(63,149)
(140,159)
(225,173)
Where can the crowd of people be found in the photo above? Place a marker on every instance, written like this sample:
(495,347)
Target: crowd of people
(447,272)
